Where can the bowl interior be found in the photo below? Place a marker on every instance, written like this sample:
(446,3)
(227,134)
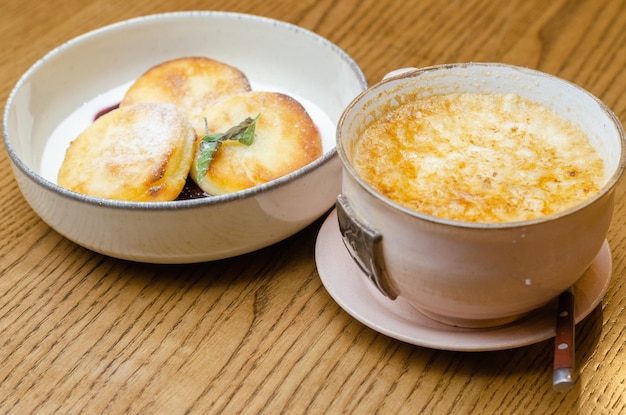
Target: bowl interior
(59,96)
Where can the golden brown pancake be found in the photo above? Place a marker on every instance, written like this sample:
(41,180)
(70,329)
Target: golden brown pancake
(286,139)
(140,152)
(191,83)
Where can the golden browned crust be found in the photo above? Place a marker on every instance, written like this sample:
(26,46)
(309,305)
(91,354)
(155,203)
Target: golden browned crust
(140,152)
(191,83)
(487,158)
(286,139)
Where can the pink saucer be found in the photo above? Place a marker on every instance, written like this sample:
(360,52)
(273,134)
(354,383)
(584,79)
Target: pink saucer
(349,287)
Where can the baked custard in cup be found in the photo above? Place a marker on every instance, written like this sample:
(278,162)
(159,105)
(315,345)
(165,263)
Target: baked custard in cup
(478,192)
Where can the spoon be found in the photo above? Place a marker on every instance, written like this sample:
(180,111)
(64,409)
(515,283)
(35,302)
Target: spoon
(564,351)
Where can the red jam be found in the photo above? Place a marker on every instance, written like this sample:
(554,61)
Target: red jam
(105,111)
(191,191)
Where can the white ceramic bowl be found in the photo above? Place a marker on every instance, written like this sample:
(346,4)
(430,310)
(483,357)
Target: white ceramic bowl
(466,273)
(59,95)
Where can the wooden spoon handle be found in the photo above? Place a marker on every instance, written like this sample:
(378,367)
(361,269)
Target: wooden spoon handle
(564,350)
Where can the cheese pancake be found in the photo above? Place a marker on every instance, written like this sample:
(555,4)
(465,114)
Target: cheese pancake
(140,152)
(479,158)
(191,83)
(286,139)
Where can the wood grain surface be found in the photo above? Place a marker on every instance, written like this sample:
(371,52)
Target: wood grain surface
(83,333)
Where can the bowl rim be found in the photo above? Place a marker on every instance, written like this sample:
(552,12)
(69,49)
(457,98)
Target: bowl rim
(413,73)
(326,158)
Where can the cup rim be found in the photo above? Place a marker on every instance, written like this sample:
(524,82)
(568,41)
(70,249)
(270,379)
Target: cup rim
(413,73)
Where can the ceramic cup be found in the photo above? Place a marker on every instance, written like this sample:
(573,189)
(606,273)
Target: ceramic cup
(466,273)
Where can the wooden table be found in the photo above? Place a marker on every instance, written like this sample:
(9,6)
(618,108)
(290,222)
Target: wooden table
(83,333)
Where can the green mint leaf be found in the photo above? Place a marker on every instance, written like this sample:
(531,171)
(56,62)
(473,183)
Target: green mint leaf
(243,132)
(247,136)
(208,147)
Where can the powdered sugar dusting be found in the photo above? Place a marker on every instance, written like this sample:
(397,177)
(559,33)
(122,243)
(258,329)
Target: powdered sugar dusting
(82,117)
(149,137)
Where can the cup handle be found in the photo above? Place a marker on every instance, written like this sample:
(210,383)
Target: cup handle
(398,72)
(364,244)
